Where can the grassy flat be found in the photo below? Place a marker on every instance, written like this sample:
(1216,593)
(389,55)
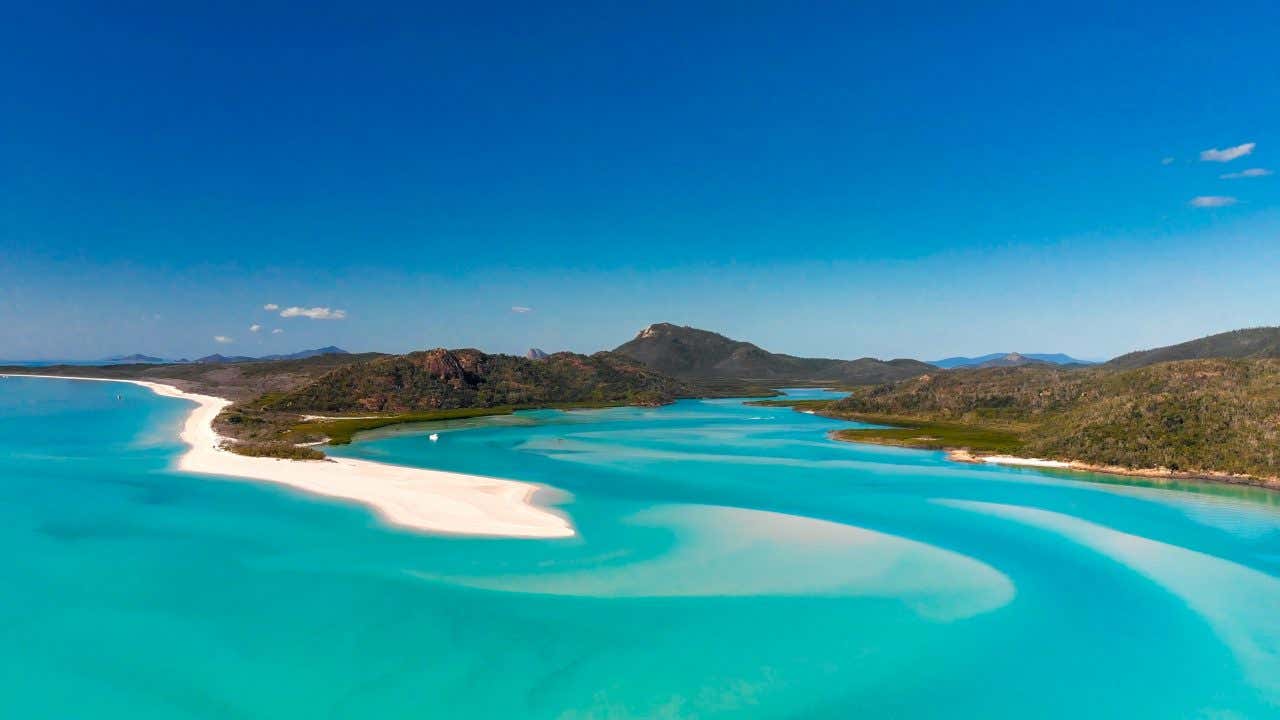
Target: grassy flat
(340,432)
(927,435)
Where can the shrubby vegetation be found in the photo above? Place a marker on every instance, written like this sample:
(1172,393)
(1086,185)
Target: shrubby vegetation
(450,379)
(444,385)
(1259,342)
(284,450)
(693,354)
(1199,416)
(341,431)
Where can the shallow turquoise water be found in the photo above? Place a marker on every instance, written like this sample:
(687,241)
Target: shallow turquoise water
(732,562)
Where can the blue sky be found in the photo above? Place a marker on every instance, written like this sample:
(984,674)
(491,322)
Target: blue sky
(841,181)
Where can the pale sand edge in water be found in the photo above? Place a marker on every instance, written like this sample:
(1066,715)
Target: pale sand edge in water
(416,498)
(961,455)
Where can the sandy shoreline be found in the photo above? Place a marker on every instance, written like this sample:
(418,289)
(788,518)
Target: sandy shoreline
(415,498)
(965,456)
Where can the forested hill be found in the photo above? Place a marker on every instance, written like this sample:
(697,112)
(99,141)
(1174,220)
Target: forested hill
(1201,416)
(446,379)
(687,352)
(1262,342)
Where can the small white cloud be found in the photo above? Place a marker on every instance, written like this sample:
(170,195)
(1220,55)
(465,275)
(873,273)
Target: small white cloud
(1166,161)
(521,309)
(277,331)
(315,313)
(271,307)
(1227,154)
(222,339)
(1251,172)
(255,327)
(1212,201)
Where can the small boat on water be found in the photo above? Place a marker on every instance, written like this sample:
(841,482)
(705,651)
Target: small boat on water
(433,437)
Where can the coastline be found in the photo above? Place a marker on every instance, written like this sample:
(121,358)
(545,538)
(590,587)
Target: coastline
(435,501)
(964,456)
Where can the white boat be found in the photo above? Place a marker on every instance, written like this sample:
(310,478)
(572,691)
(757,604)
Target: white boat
(433,437)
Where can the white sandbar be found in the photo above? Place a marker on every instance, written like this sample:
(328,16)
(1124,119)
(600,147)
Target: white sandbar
(1030,462)
(416,498)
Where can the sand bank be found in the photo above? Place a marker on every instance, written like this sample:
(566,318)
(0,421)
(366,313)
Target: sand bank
(1157,473)
(416,498)
(1029,462)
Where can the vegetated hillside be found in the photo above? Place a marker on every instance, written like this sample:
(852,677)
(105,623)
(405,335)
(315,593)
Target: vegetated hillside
(687,352)
(1262,342)
(1199,416)
(445,379)
(236,381)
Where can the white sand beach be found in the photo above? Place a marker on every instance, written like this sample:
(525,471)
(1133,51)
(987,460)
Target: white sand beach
(416,498)
(1029,462)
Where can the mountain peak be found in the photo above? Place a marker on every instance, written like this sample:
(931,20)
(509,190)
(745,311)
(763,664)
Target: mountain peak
(693,353)
(664,328)
(137,358)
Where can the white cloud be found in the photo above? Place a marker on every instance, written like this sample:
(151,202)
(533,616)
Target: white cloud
(521,309)
(1251,172)
(277,331)
(255,327)
(315,313)
(271,307)
(1212,201)
(1166,161)
(1227,154)
(222,339)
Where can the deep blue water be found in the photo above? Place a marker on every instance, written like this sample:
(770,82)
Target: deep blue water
(732,562)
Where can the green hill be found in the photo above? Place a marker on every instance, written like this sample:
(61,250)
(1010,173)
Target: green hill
(448,379)
(687,352)
(1215,416)
(1262,342)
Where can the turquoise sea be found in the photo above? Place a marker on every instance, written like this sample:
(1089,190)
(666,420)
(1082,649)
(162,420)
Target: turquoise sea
(732,562)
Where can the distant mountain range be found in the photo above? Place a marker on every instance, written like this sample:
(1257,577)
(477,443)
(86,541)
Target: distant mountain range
(686,352)
(1261,342)
(136,358)
(141,359)
(300,355)
(1008,360)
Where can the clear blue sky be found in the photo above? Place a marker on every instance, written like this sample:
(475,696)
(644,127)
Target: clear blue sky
(893,179)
